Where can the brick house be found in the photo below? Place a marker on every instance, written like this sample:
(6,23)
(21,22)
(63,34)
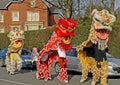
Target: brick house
(26,15)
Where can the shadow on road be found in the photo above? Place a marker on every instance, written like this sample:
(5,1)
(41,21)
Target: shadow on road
(113,77)
(71,74)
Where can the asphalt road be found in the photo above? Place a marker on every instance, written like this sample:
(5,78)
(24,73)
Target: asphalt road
(27,77)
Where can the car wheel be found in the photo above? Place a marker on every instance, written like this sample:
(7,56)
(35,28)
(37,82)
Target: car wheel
(57,67)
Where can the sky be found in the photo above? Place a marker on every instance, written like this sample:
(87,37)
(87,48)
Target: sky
(117,4)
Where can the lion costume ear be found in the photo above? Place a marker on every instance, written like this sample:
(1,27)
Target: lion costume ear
(10,34)
(94,12)
(22,34)
(62,23)
(72,23)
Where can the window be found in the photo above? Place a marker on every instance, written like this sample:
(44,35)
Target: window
(72,53)
(2,30)
(32,27)
(32,16)
(32,3)
(15,16)
(1,17)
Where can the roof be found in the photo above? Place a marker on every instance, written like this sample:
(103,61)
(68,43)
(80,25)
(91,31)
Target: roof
(5,3)
(52,8)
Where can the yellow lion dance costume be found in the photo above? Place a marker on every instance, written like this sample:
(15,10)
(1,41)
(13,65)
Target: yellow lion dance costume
(92,52)
(13,60)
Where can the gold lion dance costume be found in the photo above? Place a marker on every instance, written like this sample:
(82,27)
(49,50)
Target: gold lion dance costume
(92,52)
(56,47)
(13,60)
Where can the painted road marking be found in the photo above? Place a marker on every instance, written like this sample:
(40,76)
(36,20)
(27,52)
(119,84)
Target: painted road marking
(20,83)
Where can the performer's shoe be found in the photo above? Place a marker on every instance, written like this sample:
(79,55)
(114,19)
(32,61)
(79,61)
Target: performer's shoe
(12,73)
(82,80)
(93,83)
(65,81)
(48,79)
(104,84)
(37,77)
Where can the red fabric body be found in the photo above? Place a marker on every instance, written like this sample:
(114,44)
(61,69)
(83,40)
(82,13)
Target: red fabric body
(43,68)
(65,28)
(62,76)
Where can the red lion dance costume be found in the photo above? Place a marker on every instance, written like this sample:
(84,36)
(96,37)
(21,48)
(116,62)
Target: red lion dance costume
(92,52)
(56,47)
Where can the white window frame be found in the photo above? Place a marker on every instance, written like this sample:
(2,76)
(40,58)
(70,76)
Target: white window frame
(15,16)
(33,16)
(32,3)
(1,17)
(32,27)
(2,30)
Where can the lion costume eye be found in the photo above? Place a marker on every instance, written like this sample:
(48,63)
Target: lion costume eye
(63,27)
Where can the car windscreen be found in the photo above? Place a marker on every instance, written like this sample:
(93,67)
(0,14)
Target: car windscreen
(3,50)
(25,52)
(72,52)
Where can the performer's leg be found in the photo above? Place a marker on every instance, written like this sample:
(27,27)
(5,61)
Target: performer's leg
(8,64)
(96,73)
(19,64)
(85,71)
(104,73)
(46,72)
(12,66)
(40,71)
(62,76)
(39,75)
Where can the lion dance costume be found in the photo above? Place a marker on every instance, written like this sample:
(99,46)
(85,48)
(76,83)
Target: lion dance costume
(56,47)
(92,52)
(13,60)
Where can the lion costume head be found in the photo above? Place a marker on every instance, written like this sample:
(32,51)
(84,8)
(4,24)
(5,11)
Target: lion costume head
(65,29)
(60,36)
(16,38)
(101,27)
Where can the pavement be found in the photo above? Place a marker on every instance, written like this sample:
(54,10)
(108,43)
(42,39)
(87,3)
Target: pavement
(27,77)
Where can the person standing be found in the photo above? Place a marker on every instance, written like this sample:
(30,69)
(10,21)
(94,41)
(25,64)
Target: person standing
(34,55)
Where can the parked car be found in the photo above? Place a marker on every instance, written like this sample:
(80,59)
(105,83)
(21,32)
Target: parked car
(74,63)
(25,55)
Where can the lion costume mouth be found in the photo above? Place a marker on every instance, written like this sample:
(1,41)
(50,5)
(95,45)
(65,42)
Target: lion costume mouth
(17,44)
(66,40)
(102,34)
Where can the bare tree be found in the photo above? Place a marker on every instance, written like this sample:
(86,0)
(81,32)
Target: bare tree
(69,8)
(112,5)
(78,16)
